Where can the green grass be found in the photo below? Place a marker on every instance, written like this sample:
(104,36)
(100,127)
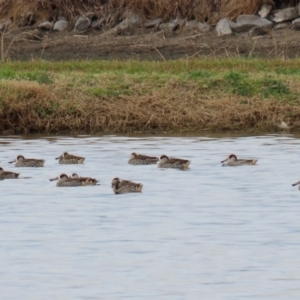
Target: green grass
(240,77)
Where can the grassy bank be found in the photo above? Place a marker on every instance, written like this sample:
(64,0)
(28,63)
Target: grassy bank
(133,96)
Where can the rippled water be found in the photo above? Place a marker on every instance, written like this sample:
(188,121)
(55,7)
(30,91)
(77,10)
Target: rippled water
(208,233)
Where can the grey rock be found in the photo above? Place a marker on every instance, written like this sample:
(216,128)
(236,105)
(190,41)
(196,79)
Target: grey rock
(6,24)
(35,35)
(296,24)
(60,25)
(46,25)
(61,18)
(224,27)
(283,15)
(153,23)
(257,31)
(167,26)
(203,27)
(90,15)
(282,25)
(82,24)
(246,22)
(131,20)
(265,10)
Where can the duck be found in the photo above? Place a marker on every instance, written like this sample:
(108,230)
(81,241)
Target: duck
(232,161)
(176,163)
(89,180)
(65,181)
(140,159)
(125,186)
(69,159)
(8,174)
(21,161)
(298,182)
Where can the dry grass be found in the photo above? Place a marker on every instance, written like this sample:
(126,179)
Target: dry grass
(124,97)
(203,10)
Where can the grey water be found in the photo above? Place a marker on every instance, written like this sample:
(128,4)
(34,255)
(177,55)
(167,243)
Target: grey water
(211,232)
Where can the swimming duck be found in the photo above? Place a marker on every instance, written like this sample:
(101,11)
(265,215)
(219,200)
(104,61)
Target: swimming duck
(8,174)
(176,163)
(88,180)
(298,182)
(139,159)
(20,161)
(232,160)
(67,158)
(125,186)
(65,181)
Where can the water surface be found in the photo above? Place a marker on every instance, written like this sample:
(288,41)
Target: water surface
(211,232)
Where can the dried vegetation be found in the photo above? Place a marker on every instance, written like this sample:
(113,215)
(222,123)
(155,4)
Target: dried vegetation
(113,10)
(124,97)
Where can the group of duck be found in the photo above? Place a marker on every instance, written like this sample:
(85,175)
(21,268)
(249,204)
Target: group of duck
(119,186)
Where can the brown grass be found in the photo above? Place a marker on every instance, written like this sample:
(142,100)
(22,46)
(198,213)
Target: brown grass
(28,107)
(202,10)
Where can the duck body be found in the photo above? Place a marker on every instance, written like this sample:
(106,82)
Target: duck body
(8,174)
(88,180)
(232,161)
(65,181)
(21,161)
(174,163)
(125,186)
(69,159)
(139,159)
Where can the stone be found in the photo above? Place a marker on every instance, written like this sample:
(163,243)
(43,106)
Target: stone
(296,24)
(282,26)
(203,27)
(46,26)
(283,15)
(257,31)
(153,23)
(82,24)
(35,35)
(131,20)
(167,26)
(90,15)
(265,10)
(224,27)
(5,24)
(60,25)
(246,22)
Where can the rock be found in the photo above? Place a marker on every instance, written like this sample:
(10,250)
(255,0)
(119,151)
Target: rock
(296,24)
(90,15)
(224,27)
(82,24)
(167,26)
(60,25)
(153,23)
(35,35)
(265,10)
(46,26)
(257,31)
(282,26)
(5,24)
(283,15)
(246,22)
(203,27)
(131,20)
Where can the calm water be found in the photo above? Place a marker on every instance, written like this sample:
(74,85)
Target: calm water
(208,233)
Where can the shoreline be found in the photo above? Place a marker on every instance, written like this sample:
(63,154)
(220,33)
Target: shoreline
(127,97)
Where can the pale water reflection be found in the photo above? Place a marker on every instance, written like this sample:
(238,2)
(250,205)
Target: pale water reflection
(208,233)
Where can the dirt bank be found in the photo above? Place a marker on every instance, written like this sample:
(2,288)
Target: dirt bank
(146,44)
